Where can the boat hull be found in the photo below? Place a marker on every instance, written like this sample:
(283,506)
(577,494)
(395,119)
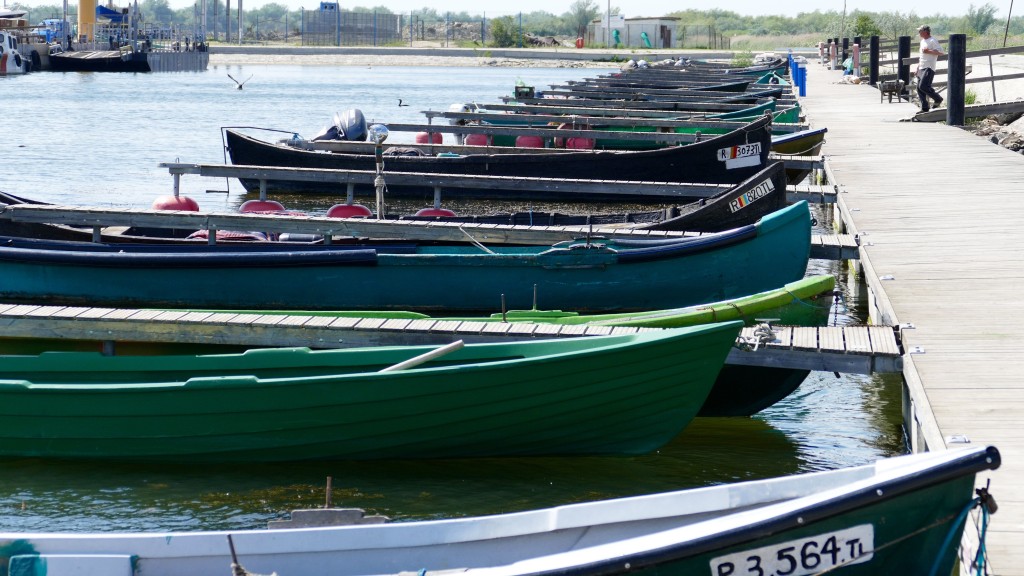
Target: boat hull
(685,532)
(698,162)
(618,394)
(590,277)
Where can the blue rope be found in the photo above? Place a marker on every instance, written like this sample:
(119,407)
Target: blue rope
(952,531)
(979,558)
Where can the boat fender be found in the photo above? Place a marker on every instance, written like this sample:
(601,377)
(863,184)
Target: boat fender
(37,61)
(349,211)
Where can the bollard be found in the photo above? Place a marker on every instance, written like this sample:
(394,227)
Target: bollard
(873,59)
(801,73)
(846,49)
(832,55)
(955,92)
(903,72)
(856,60)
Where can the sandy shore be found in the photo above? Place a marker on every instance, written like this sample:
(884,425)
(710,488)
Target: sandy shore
(370,60)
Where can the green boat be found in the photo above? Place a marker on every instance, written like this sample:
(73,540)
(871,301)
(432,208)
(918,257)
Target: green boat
(626,394)
(788,305)
(738,390)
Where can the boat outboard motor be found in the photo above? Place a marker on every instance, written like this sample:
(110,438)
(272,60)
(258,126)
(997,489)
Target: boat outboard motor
(351,125)
(326,133)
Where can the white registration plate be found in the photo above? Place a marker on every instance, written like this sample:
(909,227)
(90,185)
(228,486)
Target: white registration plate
(740,156)
(801,557)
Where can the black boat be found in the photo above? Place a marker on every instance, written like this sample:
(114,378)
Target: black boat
(726,159)
(735,206)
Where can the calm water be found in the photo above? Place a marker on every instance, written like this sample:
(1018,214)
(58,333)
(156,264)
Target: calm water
(97,139)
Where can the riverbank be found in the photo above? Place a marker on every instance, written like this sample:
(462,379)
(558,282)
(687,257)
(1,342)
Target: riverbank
(440,56)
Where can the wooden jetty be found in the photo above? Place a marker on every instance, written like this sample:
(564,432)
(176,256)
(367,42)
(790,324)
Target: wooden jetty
(851,349)
(933,205)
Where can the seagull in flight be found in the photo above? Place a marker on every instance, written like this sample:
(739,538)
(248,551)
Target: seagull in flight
(242,83)
(400,102)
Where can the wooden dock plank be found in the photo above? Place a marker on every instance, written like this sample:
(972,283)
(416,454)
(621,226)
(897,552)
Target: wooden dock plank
(954,286)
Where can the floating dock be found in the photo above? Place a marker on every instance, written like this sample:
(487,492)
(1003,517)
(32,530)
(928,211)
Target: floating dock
(934,207)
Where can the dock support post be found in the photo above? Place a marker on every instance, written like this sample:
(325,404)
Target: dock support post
(873,59)
(957,75)
(903,53)
(846,50)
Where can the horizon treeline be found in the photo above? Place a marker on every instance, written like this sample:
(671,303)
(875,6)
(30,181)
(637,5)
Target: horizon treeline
(976,20)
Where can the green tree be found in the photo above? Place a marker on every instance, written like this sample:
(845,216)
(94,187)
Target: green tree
(865,27)
(580,14)
(504,32)
(979,19)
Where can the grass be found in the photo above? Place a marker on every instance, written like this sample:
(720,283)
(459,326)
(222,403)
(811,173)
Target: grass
(970,96)
(742,59)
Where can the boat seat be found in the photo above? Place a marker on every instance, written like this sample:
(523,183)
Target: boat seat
(181,203)
(349,211)
(435,212)
(264,206)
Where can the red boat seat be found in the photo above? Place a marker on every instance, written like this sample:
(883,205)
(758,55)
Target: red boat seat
(349,211)
(425,137)
(529,142)
(262,206)
(436,212)
(181,203)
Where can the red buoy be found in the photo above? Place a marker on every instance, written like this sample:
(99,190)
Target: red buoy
(529,142)
(182,203)
(264,206)
(478,140)
(349,211)
(435,212)
(425,137)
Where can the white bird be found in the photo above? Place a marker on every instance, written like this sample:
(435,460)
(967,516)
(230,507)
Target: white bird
(240,84)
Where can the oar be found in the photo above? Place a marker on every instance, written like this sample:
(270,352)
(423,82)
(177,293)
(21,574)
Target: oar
(417,360)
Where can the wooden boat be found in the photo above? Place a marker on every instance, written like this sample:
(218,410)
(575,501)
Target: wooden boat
(788,305)
(731,207)
(738,390)
(585,275)
(901,515)
(724,159)
(618,394)
(806,143)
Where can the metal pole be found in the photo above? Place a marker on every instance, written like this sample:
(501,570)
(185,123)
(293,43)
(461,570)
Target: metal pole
(1007,31)
(239,11)
(873,68)
(957,76)
(520,29)
(992,74)
(227,21)
(903,52)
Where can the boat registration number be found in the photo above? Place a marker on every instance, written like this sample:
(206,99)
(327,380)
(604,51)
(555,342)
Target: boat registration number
(800,557)
(740,156)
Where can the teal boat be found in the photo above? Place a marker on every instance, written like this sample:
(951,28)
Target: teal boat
(901,515)
(586,276)
(625,394)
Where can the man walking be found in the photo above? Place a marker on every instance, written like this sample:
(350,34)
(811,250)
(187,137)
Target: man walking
(929,57)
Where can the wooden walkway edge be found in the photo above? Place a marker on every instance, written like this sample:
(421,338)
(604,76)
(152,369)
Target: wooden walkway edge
(935,209)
